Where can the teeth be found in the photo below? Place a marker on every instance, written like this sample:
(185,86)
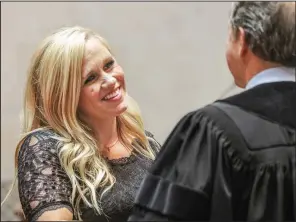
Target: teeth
(111,95)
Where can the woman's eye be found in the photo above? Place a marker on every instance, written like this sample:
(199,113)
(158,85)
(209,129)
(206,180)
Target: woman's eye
(90,78)
(108,65)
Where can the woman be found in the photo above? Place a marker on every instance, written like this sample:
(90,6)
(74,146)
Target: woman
(85,150)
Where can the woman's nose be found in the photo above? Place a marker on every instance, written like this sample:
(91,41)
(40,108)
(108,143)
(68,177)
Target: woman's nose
(108,81)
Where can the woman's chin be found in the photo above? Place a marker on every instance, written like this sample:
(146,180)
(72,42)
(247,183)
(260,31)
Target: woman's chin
(121,108)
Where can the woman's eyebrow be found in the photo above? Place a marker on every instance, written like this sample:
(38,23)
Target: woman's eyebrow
(90,71)
(107,59)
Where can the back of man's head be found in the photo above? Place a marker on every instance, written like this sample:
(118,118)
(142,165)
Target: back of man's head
(269,29)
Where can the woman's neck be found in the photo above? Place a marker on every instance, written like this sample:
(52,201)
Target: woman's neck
(105,131)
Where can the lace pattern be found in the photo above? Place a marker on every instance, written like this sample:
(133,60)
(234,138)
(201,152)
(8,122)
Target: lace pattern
(43,184)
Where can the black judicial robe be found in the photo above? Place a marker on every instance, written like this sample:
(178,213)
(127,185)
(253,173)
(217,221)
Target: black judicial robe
(234,161)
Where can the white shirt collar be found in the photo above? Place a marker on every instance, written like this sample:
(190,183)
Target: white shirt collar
(278,74)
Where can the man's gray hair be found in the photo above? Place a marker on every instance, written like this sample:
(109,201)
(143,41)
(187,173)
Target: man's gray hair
(269,28)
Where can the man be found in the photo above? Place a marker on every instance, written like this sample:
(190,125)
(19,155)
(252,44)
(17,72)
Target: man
(235,160)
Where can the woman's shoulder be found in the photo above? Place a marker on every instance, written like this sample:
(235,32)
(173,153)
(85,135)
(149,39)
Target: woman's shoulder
(149,134)
(155,145)
(40,139)
(42,133)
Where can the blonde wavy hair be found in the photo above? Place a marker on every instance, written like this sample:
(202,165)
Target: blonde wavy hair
(51,100)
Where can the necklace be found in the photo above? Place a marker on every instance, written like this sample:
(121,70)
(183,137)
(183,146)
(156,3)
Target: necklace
(113,144)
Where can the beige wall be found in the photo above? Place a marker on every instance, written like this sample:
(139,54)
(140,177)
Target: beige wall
(172,53)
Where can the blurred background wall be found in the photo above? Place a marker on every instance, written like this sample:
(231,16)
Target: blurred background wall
(172,54)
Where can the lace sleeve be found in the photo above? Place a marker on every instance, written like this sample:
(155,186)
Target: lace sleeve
(43,184)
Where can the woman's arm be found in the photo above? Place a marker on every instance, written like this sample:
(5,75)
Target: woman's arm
(44,187)
(61,214)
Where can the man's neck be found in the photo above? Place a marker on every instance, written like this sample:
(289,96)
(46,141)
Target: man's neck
(257,66)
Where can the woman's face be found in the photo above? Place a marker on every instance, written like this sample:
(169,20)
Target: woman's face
(103,86)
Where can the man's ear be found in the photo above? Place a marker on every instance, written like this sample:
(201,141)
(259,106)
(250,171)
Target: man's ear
(242,44)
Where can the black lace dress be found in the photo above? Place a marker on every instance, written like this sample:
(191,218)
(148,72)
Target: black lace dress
(44,185)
